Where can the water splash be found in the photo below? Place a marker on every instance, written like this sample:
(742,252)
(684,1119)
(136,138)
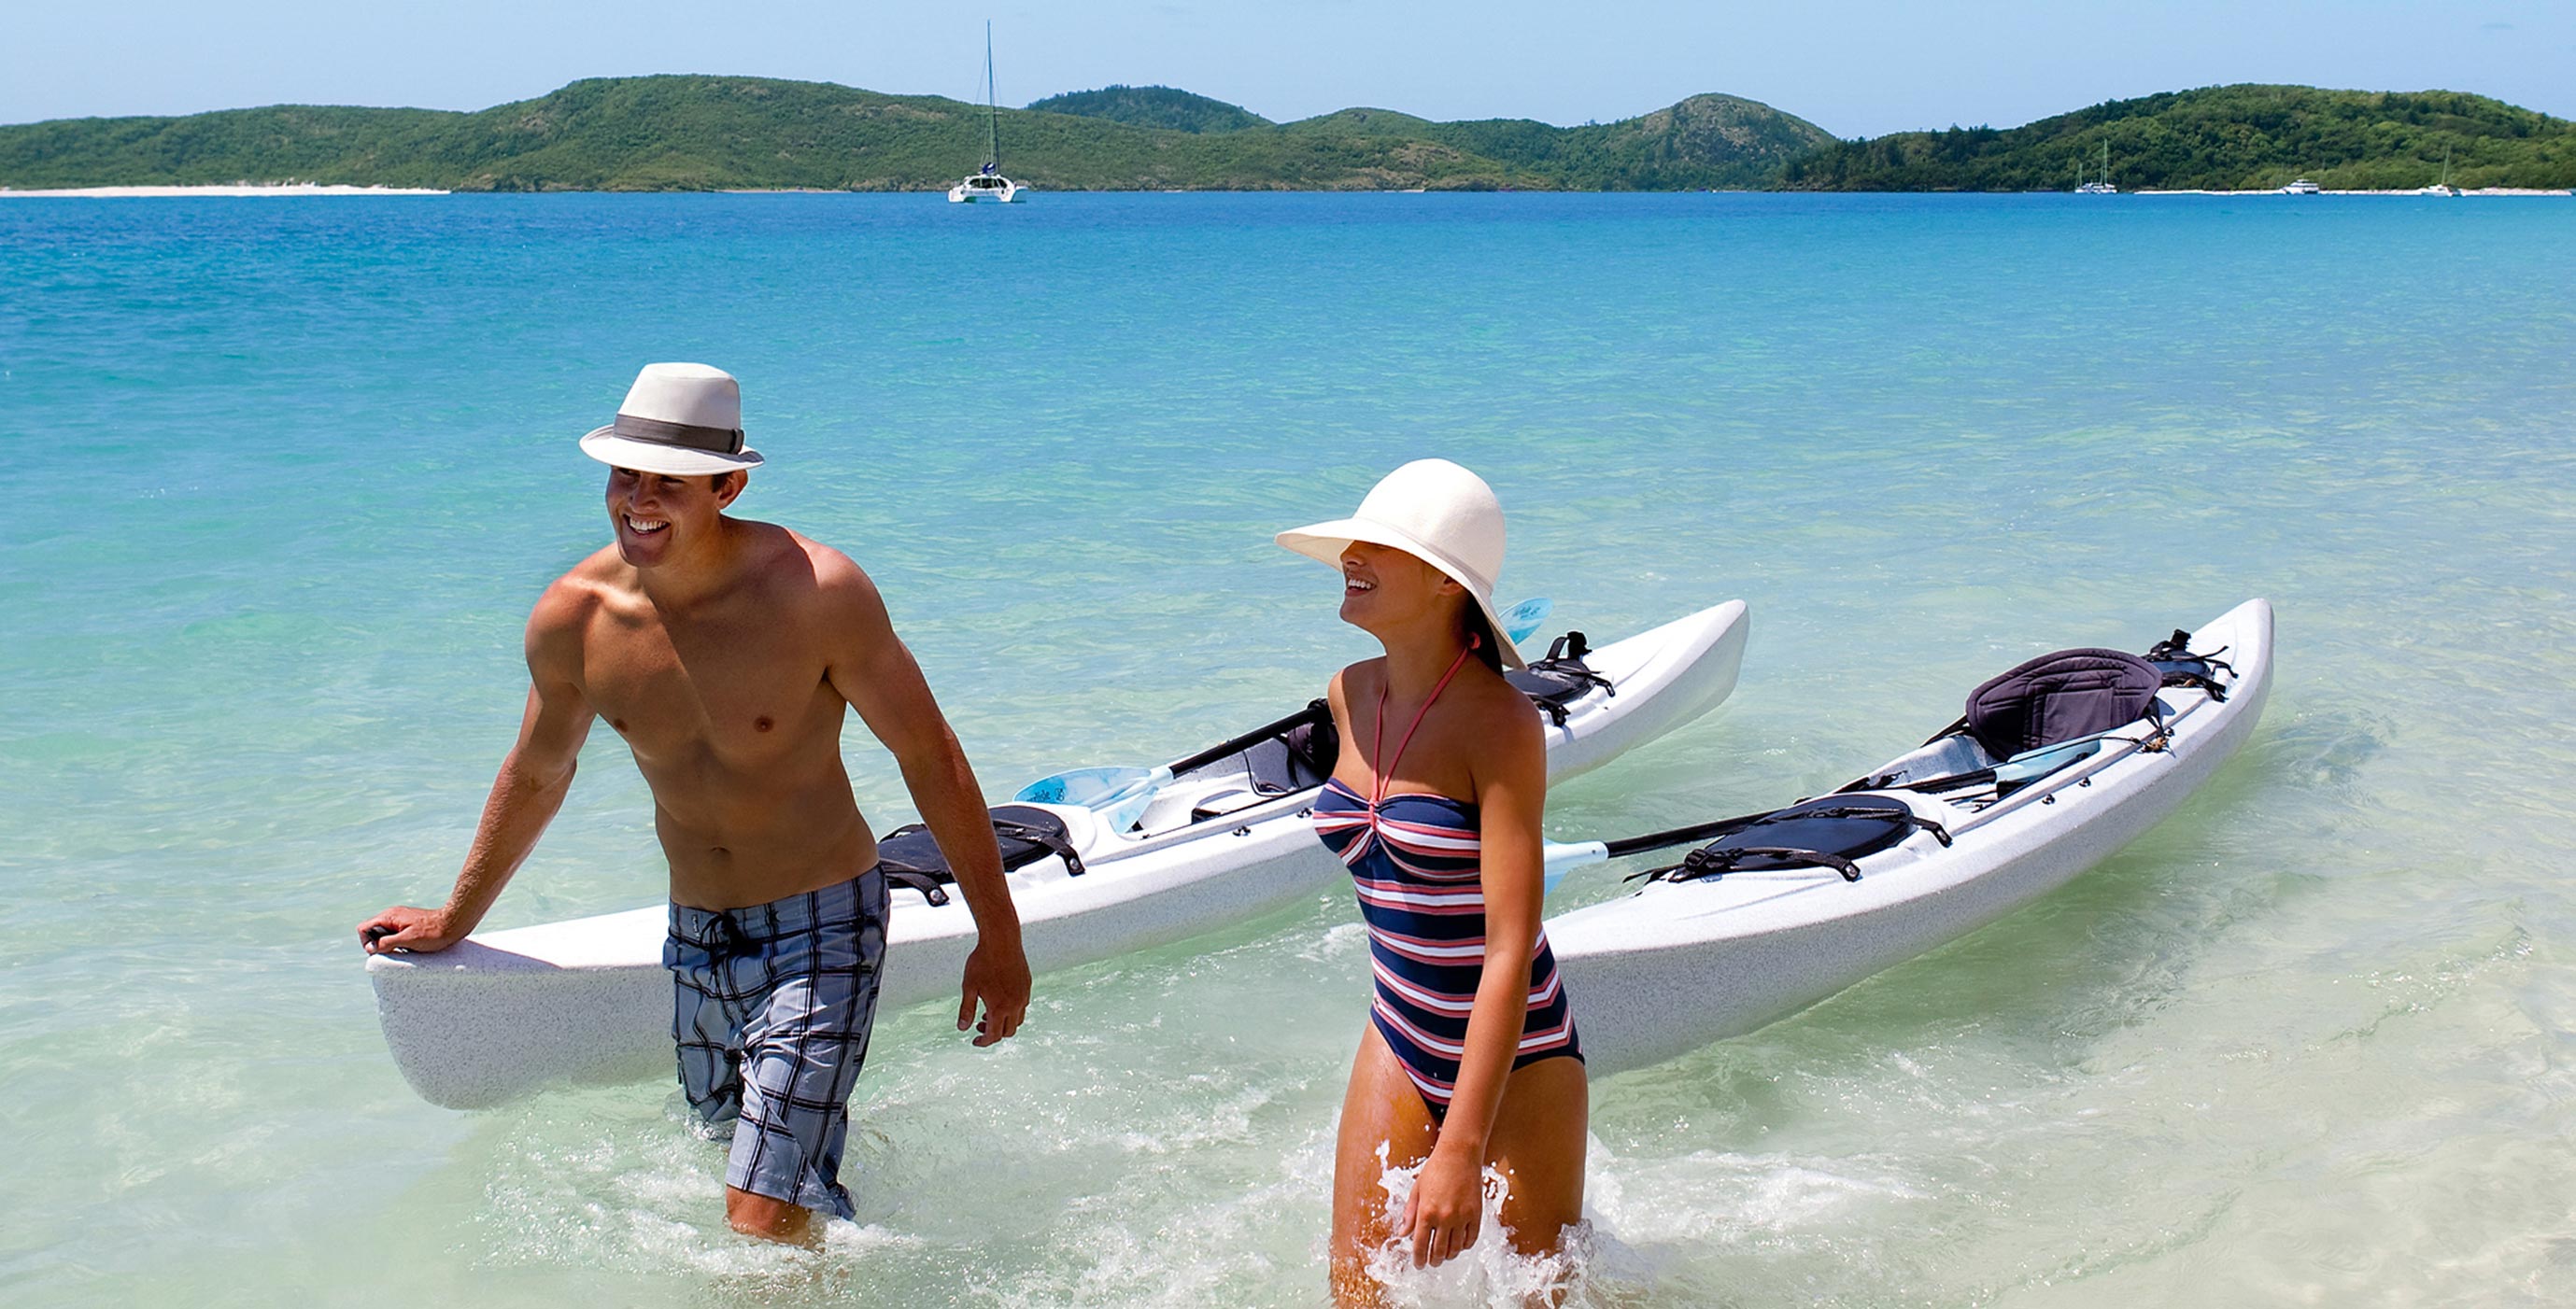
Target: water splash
(1488,1273)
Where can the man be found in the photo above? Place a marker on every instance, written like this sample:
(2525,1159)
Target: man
(728,653)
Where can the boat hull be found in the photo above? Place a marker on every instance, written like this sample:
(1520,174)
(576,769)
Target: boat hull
(587,1001)
(1679,965)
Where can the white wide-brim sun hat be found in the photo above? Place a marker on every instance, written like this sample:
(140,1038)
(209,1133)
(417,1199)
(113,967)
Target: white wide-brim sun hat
(1437,512)
(683,420)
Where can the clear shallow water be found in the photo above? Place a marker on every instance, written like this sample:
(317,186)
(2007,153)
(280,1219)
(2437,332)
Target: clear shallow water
(286,476)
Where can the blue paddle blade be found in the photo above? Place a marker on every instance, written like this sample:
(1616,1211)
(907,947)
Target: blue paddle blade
(2031,765)
(1045,790)
(1524,618)
(1083,786)
(1118,795)
(1563,859)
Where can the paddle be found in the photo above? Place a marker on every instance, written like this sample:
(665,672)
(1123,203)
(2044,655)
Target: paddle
(1120,795)
(1524,618)
(1565,857)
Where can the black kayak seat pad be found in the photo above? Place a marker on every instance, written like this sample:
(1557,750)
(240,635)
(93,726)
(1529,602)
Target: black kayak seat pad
(2058,697)
(1834,831)
(911,857)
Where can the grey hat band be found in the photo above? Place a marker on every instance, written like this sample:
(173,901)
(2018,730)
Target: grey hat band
(713,440)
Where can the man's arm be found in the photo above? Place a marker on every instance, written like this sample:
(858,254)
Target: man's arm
(526,793)
(872,670)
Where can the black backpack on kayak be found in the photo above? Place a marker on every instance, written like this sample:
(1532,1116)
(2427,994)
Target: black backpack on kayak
(2172,657)
(1560,679)
(911,857)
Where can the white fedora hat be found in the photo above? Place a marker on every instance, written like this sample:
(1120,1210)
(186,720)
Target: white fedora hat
(681,419)
(1437,512)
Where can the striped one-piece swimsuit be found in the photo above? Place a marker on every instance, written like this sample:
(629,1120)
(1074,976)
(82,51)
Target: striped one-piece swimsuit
(1415,860)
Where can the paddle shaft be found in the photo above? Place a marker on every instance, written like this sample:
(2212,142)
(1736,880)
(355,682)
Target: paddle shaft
(1564,858)
(1708,831)
(1313,713)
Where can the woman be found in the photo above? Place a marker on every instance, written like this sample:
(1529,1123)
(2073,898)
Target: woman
(1470,1057)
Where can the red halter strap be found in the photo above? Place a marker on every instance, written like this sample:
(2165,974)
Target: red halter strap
(1377,743)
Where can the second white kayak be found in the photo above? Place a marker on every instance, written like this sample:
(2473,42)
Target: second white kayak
(1754,937)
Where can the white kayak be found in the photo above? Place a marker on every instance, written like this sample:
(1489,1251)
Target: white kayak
(506,1013)
(1680,964)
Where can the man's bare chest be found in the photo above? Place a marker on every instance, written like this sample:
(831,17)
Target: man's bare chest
(741,689)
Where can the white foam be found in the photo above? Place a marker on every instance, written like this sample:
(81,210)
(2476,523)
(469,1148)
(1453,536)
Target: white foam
(1490,1272)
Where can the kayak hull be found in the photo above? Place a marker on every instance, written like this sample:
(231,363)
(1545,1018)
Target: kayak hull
(1678,965)
(507,1013)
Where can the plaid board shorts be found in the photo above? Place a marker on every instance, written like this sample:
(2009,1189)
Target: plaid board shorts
(771,1007)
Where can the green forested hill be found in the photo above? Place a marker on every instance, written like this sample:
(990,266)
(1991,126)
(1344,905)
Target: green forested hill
(1153,106)
(1707,140)
(2222,138)
(706,133)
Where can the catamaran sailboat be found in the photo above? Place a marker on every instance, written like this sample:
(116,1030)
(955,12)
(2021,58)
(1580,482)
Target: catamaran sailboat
(2442,187)
(2100,185)
(988,184)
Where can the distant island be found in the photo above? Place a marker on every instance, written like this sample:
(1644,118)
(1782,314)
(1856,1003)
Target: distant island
(705,133)
(686,133)
(2221,138)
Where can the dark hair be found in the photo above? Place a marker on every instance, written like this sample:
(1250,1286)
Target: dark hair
(1487,643)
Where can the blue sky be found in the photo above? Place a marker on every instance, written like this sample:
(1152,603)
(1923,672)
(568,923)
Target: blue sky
(1855,67)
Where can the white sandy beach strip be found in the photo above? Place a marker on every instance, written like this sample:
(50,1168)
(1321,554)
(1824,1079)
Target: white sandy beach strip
(165,192)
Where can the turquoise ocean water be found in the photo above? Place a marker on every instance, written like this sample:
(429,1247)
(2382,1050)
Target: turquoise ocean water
(284,476)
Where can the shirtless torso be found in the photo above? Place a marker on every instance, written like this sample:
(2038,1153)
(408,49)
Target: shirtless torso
(732,708)
(728,653)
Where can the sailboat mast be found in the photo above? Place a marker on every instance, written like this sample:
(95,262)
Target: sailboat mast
(992,106)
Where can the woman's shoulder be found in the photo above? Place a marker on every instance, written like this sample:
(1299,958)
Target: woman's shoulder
(1365,675)
(1489,692)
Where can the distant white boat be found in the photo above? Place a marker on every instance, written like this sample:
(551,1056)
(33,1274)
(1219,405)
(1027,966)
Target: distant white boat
(988,182)
(2442,187)
(2100,185)
(2301,187)
(984,186)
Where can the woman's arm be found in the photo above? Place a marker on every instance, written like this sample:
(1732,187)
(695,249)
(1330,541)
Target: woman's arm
(1337,701)
(1511,792)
